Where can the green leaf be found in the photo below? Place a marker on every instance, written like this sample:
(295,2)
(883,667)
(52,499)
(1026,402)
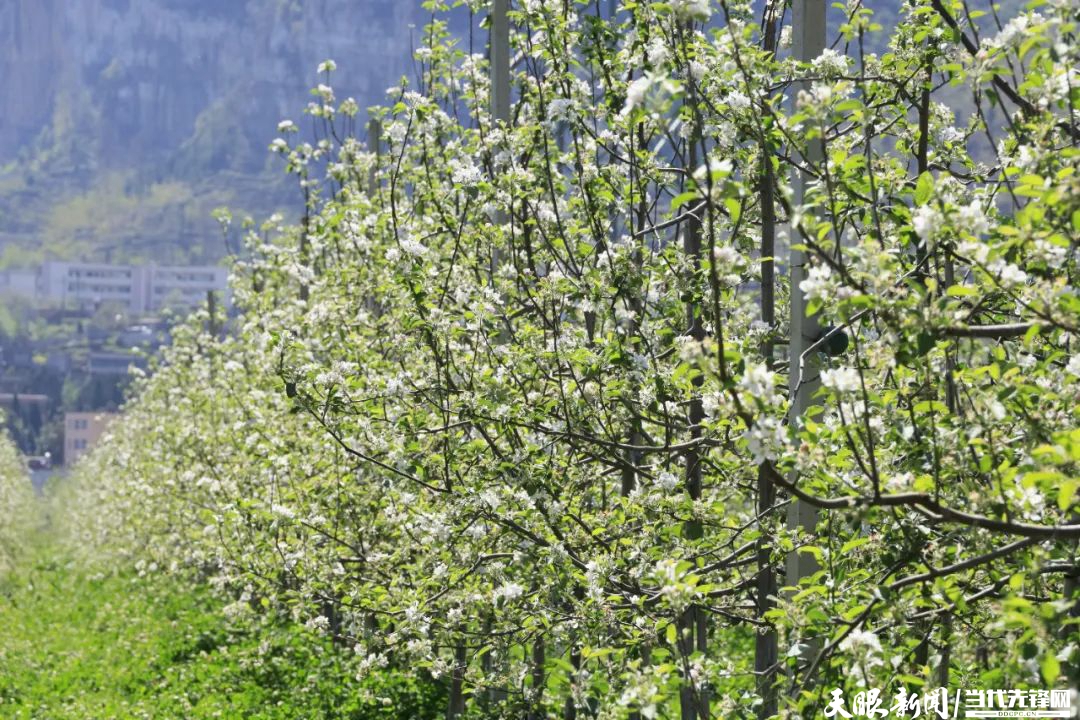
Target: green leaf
(1066,494)
(734,208)
(1051,668)
(924,188)
(961,291)
(852,544)
(925,342)
(682,199)
(853,612)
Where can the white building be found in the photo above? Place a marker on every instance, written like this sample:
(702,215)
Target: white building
(88,284)
(183,286)
(140,289)
(18,282)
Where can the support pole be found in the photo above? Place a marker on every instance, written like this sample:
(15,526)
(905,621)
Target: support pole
(499,67)
(500,61)
(693,626)
(808,30)
(374,144)
(766,643)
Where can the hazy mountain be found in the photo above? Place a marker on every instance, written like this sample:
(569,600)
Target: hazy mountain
(123,123)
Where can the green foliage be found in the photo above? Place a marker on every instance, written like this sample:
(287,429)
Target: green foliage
(505,408)
(120,217)
(16,503)
(82,646)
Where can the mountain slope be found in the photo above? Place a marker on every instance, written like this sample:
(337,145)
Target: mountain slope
(125,123)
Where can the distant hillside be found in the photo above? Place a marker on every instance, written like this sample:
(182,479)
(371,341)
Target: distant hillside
(123,123)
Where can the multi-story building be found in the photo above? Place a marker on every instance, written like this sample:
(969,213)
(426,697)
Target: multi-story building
(138,288)
(183,286)
(88,284)
(18,282)
(81,431)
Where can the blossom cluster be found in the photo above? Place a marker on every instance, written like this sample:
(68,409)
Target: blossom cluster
(511,409)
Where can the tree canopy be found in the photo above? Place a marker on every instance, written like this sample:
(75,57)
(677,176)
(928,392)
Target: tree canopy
(513,407)
(16,498)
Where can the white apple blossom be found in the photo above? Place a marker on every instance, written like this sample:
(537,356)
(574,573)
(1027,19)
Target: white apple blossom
(667,481)
(657,52)
(864,643)
(767,438)
(1053,254)
(1009,274)
(464,173)
(759,381)
(841,379)
(692,9)
(443,413)
(636,91)
(818,283)
(1073,366)
(927,222)
(509,591)
(727,256)
(1014,30)
(560,109)
(977,250)
(830,63)
(785,37)
(973,219)
(413,247)
(737,100)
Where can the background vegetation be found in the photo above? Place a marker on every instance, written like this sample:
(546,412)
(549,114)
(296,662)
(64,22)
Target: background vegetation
(517,407)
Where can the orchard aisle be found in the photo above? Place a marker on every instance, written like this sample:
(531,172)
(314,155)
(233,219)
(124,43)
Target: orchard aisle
(75,645)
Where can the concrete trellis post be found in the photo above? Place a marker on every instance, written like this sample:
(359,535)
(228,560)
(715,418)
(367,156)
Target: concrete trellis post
(808,41)
(500,60)
(499,67)
(374,143)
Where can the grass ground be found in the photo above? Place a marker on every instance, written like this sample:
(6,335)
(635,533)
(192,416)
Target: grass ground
(82,646)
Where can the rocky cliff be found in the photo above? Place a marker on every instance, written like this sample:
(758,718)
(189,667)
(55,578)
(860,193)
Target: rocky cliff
(124,122)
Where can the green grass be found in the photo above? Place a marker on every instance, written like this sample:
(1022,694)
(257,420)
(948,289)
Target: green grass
(79,646)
